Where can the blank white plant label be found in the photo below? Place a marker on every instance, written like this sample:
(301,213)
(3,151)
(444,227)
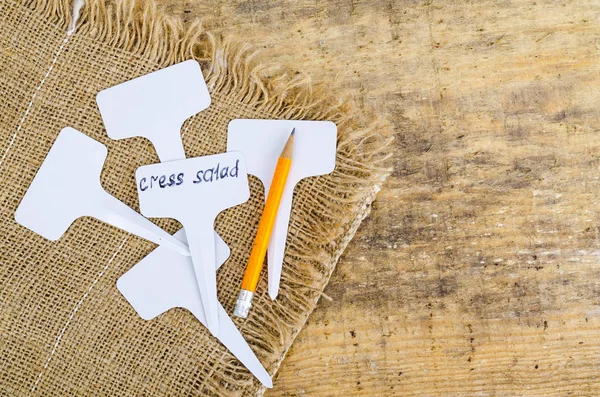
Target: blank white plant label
(155,106)
(67,186)
(164,280)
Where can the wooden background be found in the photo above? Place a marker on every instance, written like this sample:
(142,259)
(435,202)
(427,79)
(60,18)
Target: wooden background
(478,272)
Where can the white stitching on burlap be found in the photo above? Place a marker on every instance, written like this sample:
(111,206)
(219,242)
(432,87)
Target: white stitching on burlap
(73,313)
(77,5)
(16,133)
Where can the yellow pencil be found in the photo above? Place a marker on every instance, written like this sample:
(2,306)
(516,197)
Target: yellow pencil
(265,227)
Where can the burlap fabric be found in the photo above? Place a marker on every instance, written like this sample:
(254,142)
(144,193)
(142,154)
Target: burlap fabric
(64,327)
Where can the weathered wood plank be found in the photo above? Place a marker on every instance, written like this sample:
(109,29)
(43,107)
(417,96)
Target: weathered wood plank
(478,271)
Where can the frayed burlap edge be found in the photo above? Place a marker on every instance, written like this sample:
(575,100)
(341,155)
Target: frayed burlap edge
(231,68)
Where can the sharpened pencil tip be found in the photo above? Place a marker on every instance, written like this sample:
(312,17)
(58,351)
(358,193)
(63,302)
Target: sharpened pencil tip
(293,131)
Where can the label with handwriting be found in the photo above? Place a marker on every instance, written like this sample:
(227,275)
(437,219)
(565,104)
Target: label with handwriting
(208,175)
(194,191)
(217,182)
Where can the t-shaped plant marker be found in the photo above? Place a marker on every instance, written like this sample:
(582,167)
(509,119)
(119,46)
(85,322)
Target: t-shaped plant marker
(155,106)
(261,142)
(163,280)
(67,186)
(195,191)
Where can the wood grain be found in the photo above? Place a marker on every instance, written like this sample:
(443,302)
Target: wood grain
(478,272)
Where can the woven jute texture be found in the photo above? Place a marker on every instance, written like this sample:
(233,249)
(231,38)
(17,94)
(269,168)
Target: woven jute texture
(64,327)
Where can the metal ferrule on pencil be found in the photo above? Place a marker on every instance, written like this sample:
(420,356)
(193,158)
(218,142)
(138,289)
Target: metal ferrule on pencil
(243,304)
